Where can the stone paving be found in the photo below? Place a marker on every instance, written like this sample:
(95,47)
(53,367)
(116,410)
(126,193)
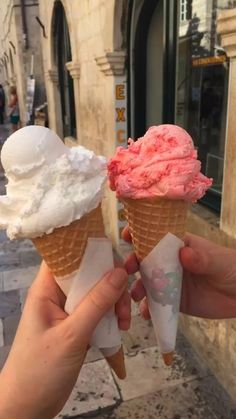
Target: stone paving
(186,390)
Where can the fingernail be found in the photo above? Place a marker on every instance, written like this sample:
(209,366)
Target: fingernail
(118,278)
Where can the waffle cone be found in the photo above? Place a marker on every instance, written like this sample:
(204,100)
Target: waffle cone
(63,249)
(149,221)
(117,363)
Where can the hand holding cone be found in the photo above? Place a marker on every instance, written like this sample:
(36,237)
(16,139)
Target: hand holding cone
(149,221)
(51,195)
(63,252)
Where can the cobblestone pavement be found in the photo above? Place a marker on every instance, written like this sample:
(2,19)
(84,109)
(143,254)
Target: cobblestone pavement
(151,391)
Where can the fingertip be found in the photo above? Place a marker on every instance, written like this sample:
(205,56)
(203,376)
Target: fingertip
(131,264)
(123,306)
(124,324)
(137,290)
(144,310)
(186,256)
(192,260)
(126,235)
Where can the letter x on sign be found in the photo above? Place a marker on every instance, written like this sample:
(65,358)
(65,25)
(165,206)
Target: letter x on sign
(120,115)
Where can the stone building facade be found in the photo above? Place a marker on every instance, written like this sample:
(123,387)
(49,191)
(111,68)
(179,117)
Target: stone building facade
(84,67)
(20,52)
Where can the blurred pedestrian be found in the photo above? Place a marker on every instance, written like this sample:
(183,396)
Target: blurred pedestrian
(14,113)
(2,104)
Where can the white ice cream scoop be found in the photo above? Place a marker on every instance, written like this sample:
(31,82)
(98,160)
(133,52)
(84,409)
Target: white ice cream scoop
(30,147)
(49,184)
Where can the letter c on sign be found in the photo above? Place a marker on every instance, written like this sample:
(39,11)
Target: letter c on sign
(120,136)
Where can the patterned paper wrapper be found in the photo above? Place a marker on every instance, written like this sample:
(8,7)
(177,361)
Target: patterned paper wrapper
(96,262)
(162,275)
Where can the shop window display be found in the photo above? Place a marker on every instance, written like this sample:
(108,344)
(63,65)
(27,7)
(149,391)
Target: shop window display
(202,84)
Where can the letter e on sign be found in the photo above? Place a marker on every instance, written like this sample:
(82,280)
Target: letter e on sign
(120,92)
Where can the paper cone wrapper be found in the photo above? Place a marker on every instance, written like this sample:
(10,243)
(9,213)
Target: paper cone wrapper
(63,250)
(150,221)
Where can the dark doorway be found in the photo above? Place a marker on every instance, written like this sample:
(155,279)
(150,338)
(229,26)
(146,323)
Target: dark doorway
(152,57)
(62,51)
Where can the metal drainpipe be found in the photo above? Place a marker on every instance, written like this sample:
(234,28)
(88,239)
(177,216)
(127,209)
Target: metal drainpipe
(24,24)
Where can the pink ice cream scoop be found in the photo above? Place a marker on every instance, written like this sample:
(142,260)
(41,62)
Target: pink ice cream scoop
(162,163)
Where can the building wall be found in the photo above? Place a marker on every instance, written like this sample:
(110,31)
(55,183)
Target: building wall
(11,38)
(7,35)
(96,63)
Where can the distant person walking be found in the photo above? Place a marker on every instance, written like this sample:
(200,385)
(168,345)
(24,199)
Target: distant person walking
(2,104)
(14,109)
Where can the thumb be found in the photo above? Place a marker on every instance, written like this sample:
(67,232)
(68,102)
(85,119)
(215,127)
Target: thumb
(201,262)
(95,304)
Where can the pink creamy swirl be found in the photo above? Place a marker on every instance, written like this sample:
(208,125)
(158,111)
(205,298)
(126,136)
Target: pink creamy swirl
(162,163)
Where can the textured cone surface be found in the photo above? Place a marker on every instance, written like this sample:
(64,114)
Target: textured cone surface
(151,219)
(117,363)
(63,249)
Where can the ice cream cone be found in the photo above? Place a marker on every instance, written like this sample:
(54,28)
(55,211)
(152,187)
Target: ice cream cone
(149,221)
(117,363)
(63,250)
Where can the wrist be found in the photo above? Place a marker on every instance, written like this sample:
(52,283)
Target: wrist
(15,403)
(11,409)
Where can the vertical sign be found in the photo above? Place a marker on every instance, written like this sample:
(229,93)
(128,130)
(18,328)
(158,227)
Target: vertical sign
(121,133)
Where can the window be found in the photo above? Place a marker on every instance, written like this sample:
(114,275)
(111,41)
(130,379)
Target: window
(183,10)
(202,82)
(62,55)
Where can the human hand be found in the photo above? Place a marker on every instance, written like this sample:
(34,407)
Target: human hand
(50,346)
(209,279)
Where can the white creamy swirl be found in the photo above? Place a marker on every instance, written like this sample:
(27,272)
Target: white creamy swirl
(49,184)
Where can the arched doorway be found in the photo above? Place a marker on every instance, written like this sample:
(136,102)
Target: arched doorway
(152,54)
(62,55)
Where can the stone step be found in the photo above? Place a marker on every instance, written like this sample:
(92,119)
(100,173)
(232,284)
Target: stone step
(23,259)
(17,253)
(9,246)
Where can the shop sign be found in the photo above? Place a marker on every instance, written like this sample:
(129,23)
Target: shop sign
(197,62)
(121,132)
